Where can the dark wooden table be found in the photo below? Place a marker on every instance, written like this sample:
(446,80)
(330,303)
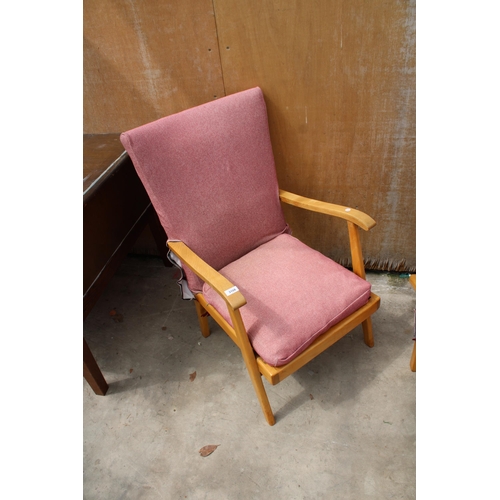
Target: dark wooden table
(116,209)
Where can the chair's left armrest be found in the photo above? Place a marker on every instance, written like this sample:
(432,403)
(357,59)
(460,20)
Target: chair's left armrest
(357,217)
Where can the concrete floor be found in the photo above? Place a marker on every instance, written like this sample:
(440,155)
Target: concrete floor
(345,423)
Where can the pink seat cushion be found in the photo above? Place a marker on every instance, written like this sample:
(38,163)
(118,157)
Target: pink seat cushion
(293,293)
(209,172)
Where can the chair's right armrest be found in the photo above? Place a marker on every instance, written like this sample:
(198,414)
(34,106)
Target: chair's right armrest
(357,217)
(231,295)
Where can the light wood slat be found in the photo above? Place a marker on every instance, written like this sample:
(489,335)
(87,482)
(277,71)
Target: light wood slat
(358,265)
(359,218)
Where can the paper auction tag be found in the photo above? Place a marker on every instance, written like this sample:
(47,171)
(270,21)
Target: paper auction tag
(231,290)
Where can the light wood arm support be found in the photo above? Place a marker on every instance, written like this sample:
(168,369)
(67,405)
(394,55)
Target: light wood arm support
(359,218)
(355,219)
(208,274)
(358,265)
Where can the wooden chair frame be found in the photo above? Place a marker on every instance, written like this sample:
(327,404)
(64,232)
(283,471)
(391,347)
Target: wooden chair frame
(255,365)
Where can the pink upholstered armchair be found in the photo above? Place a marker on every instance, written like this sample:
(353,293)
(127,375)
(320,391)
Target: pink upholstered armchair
(211,177)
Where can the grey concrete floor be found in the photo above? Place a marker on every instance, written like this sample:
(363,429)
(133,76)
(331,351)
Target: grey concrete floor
(345,423)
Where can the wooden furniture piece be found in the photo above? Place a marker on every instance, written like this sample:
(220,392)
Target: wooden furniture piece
(116,209)
(413,360)
(210,174)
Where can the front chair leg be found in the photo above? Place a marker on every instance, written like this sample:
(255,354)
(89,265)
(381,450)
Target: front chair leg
(202,319)
(368,332)
(260,391)
(251,364)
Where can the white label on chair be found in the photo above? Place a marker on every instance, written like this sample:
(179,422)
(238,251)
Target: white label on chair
(232,290)
(347,209)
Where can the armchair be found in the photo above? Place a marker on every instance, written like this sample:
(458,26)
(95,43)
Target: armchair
(211,177)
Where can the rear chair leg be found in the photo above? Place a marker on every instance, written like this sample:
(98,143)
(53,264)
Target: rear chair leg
(202,319)
(368,332)
(358,268)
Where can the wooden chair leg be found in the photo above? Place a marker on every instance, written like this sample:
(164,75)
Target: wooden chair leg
(260,390)
(92,372)
(368,332)
(413,360)
(358,268)
(202,319)
(251,364)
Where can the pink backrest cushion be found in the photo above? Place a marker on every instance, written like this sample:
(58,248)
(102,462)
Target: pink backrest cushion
(210,174)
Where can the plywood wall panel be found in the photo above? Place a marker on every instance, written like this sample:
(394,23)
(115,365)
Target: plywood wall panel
(339,80)
(145,59)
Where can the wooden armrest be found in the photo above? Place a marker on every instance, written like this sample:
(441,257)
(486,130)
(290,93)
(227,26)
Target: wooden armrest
(359,218)
(208,274)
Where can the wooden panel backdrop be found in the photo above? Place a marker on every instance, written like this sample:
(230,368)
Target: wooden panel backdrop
(339,81)
(147,59)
